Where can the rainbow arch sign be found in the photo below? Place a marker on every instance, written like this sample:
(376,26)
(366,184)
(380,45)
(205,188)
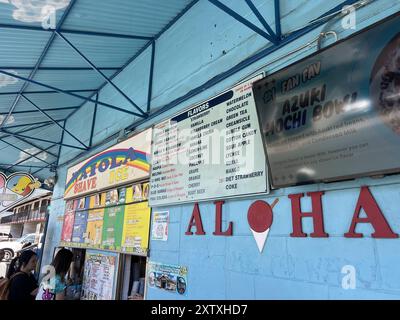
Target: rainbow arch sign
(123,163)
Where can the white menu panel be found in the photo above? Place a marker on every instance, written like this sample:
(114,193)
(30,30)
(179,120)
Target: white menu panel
(210,151)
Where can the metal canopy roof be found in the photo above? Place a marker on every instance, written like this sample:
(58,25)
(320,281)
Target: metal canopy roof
(41,69)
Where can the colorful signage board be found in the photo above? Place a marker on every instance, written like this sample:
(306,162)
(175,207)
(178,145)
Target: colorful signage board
(100,275)
(117,220)
(16,188)
(95,220)
(125,162)
(80,221)
(336,114)
(113,219)
(69,216)
(167,277)
(212,150)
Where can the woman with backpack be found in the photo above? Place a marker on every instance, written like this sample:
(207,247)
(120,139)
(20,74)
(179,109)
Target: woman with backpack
(53,287)
(22,283)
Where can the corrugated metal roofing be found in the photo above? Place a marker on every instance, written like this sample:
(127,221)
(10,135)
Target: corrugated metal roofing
(108,33)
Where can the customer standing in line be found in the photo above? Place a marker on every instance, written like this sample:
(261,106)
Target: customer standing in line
(23,285)
(54,287)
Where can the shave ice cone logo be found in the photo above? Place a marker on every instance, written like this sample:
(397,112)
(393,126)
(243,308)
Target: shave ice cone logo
(260,218)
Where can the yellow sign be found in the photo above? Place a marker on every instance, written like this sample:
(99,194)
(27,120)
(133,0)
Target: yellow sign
(135,235)
(95,220)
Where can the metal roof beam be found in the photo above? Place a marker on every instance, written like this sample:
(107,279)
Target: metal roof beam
(45,92)
(261,19)
(22,150)
(57,68)
(93,121)
(45,167)
(33,124)
(69,93)
(148,44)
(244,21)
(59,149)
(81,32)
(69,43)
(42,140)
(278,27)
(150,92)
(54,121)
(28,142)
(10,165)
(34,111)
(38,62)
(30,157)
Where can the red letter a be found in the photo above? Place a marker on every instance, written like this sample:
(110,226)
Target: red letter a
(316,214)
(195,221)
(374,217)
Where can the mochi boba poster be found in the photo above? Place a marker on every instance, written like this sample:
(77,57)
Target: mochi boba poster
(335,114)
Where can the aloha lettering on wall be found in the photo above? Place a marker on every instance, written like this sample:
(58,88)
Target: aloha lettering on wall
(260,218)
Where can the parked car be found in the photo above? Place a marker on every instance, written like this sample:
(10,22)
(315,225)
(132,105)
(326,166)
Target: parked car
(12,246)
(5,236)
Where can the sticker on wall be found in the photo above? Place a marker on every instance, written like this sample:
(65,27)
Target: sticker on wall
(260,219)
(15,188)
(159,229)
(167,277)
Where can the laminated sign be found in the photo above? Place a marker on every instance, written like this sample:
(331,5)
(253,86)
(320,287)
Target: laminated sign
(335,114)
(212,150)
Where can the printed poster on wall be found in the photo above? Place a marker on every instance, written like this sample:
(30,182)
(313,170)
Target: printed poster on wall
(80,222)
(123,163)
(167,277)
(159,230)
(69,216)
(213,150)
(335,114)
(100,275)
(95,220)
(135,235)
(113,219)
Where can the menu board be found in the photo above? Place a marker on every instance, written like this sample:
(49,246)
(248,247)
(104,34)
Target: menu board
(95,220)
(69,216)
(213,150)
(99,280)
(336,114)
(113,219)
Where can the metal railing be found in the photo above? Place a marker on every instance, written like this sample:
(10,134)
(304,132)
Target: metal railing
(26,216)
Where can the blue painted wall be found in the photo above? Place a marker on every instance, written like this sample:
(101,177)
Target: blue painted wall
(202,44)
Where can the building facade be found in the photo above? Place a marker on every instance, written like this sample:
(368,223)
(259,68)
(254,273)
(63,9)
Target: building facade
(28,216)
(316,246)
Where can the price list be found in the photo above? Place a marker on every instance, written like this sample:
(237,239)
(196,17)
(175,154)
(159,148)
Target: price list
(212,150)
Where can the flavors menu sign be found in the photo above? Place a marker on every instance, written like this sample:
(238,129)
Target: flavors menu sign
(213,150)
